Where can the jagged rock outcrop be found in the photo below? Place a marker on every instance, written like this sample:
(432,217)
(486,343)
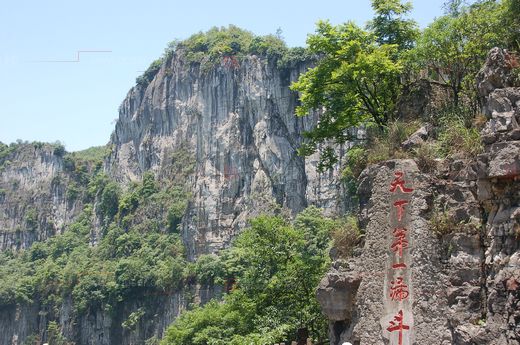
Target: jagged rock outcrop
(238,122)
(464,240)
(499,196)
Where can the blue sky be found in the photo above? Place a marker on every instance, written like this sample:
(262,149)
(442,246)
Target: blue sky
(77,103)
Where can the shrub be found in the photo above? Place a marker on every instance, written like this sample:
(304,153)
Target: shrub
(73,192)
(31,219)
(346,236)
(54,335)
(133,319)
(68,163)
(479,121)
(94,154)
(109,202)
(150,73)
(177,208)
(5,151)
(425,156)
(269,46)
(294,56)
(443,223)
(32,339)
(457,137)
(356,160)
(209,269)
(128,202)
(59,149)
(148,186)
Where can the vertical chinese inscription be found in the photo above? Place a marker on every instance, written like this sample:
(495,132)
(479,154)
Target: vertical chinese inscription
(397,292)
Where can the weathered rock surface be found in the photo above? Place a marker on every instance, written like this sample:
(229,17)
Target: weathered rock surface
(100,327)
(464,239)
(239,124)
(33,196)
(418,137)
(496,73)
(423,98)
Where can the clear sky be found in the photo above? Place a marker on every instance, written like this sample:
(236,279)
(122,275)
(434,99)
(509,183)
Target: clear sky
(77,102)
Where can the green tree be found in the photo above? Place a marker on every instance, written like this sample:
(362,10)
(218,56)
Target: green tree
(512,22)
(355,81)
(276,266)
(54,335)
(149,185)
(109,202)
(390,25)
(454,46)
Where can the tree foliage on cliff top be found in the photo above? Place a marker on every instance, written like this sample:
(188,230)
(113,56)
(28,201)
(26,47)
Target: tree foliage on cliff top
(454,47)
(359,77)
(227,45)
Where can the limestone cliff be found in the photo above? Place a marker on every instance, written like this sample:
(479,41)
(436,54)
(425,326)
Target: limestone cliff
(36,199)
(238,122)
(234,123)
(462,227)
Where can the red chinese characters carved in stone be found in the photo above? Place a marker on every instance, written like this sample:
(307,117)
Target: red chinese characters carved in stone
(400,242)
(399,205)
(399,265)
(399,290)
(397,324)
(398,183)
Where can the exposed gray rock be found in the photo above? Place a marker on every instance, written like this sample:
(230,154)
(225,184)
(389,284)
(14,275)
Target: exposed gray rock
(337,293)
(496,72)
(239,124)
(100,327)
(417,138)
(33,196)
(422,99)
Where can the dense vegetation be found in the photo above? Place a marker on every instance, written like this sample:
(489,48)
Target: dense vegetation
(227,46)
(361,73)
(271,270)
(274,267)
(139,248)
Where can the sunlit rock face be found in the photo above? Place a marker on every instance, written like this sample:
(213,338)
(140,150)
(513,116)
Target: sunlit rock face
(238,123)
(34,200)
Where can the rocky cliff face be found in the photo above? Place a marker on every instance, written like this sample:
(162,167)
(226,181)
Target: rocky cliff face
(462,232)
(33,196)
(27,324)
(238,122)
(234,124)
